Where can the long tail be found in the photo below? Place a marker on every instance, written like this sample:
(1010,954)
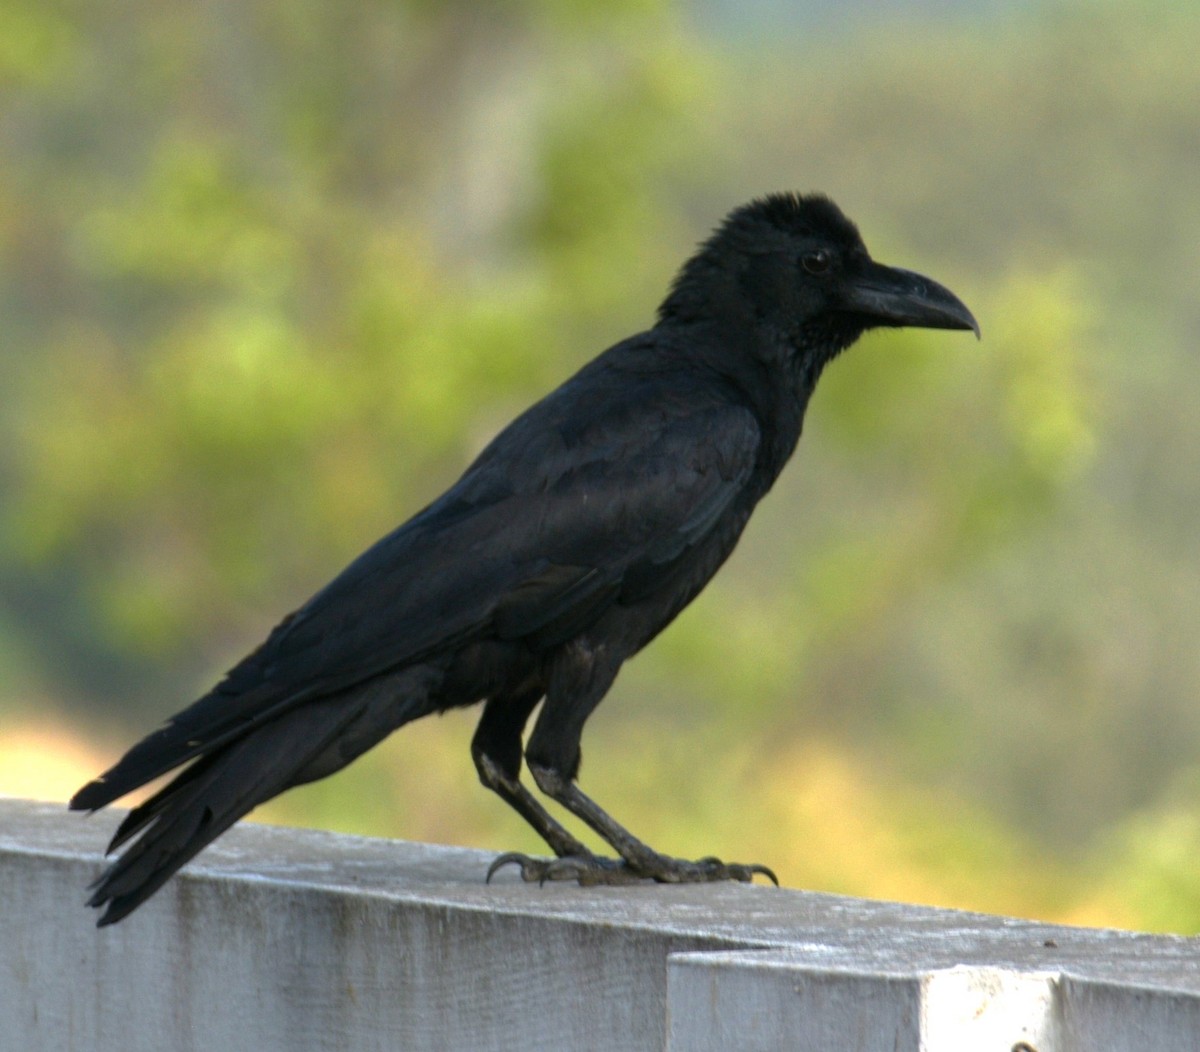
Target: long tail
(227,782)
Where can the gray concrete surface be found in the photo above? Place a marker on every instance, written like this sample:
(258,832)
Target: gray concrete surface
(296,940)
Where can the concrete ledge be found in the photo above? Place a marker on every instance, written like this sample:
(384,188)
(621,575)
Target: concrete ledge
(295,940)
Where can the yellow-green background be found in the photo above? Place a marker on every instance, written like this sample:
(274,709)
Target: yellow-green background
(271,272)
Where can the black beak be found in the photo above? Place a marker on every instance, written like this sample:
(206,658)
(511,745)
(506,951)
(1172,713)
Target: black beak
(891,296)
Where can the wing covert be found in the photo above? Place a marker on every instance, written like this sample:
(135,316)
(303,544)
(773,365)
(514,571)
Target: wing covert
(533,539)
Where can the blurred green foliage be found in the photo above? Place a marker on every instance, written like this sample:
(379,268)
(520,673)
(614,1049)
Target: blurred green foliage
(271,274)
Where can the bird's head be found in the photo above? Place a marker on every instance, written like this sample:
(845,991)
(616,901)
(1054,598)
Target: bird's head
(798,267)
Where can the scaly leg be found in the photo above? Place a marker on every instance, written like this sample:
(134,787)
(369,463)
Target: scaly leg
(496,750)
(577,683)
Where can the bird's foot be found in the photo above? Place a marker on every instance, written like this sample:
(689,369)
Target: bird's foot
(590,870)
(585,870)
(667,870)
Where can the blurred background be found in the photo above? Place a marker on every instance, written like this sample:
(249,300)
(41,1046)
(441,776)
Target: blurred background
(272,272)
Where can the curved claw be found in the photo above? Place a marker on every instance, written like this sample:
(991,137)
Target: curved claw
(765,871)
(524,862)
(746,872)
(588,870)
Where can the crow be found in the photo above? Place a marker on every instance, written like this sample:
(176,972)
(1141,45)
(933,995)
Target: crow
(575,537)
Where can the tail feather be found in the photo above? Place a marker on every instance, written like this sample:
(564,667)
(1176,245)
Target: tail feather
(209,796)
(181,739)
(142,815)
(194,809)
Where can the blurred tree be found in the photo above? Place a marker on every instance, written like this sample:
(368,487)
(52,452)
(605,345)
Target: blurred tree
(1053,673)
(271,273)
(276,272)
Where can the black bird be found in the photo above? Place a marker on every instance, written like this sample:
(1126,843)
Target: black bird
(576,537)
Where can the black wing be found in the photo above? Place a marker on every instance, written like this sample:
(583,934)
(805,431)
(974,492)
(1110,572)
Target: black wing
(592,491)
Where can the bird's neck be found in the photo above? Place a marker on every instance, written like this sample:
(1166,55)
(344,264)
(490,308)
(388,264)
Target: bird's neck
(783,411)
(775,381)
(804,353)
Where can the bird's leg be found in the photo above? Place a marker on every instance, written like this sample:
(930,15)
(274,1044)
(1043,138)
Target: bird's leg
(578,680)
(641,862)
(496,750)
(513,793)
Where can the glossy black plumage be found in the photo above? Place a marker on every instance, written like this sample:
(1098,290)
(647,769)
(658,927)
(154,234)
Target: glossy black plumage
(576,536)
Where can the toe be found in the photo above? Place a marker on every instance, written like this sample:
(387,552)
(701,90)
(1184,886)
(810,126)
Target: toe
(529,867)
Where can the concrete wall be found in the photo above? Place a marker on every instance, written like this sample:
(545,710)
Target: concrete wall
(279,939)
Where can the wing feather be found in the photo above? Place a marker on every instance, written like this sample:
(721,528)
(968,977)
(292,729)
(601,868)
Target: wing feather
(583,496)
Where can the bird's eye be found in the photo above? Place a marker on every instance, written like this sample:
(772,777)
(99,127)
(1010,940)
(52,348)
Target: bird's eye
(816,262)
